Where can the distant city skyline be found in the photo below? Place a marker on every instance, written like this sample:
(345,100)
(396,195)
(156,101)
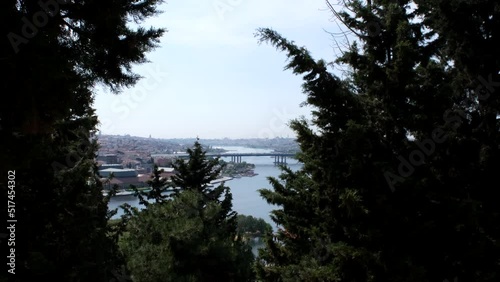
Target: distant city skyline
(209,78)
(192,137)
(290,136)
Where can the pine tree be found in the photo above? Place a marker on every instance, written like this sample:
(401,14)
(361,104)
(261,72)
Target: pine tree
(54,54)
(172,242)
(191,237)
(195,174)
(396,182)
(159,186)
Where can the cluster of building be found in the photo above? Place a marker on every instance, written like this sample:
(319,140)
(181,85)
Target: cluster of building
(123,176)
(128,159)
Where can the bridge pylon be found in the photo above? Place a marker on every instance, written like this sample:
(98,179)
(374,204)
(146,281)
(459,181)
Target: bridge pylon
(236,159)
(279,160)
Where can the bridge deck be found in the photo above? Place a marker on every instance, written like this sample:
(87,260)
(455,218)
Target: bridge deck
(251,155)
(232,155)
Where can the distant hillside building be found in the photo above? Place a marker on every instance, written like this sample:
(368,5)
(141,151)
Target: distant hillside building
(163,162)
(108,158)
(123,178)
(118,172)
(106,166)
(148,167)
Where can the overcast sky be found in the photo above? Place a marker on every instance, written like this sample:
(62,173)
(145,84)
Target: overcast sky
(210,77)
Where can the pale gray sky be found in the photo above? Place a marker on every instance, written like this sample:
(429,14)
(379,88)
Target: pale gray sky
(210,77)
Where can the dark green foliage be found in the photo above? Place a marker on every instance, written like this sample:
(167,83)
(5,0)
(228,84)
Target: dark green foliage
(52,57)
(232,169)
(180,241)
(197,172)
(191,237)
(81,44)
(64,233)
(251,225)
(158,186)
(399,174)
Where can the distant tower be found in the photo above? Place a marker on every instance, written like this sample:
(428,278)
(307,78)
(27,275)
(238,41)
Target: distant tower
(149,135)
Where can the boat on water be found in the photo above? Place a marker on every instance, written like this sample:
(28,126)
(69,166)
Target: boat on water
(124,192)
(121,193)
(222,179)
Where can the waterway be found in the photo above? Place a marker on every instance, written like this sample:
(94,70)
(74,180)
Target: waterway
(246,197)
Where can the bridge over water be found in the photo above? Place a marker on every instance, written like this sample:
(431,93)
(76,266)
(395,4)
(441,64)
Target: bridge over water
(279,158)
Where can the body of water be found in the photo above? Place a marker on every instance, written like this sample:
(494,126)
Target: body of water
(246,198)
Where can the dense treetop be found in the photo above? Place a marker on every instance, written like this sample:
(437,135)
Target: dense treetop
(399,173)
